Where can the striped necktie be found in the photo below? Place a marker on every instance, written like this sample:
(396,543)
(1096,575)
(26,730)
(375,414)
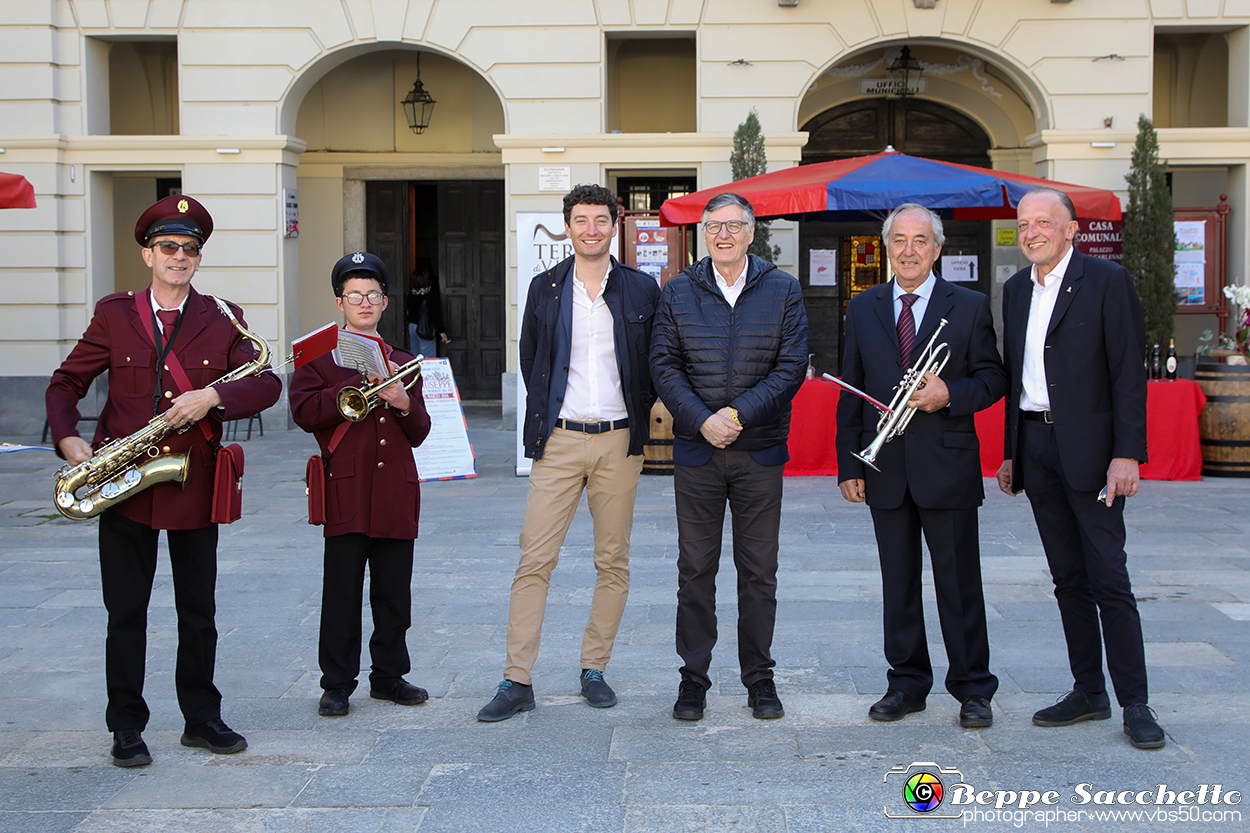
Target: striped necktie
(906,329)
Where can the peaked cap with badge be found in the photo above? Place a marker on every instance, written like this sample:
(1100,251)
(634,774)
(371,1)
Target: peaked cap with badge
(360,262)
(175,214)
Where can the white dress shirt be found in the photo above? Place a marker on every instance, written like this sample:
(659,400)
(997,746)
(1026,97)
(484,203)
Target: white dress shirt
(731,293)
(594,387)
(918,307)
(1034,395)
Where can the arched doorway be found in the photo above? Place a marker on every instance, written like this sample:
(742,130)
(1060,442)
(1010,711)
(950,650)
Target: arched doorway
(431,200)
(859,128)
(910,125)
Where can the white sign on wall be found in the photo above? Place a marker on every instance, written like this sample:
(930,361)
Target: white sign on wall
(555,178)
(962,268)
(540,244)
(822,267)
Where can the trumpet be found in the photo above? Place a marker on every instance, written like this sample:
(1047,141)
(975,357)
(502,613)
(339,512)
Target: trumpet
(131,464)
(894,422)
(356,403)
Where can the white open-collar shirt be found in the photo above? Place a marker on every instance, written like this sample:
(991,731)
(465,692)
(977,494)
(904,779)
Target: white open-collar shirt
(594,387)
(1034,395)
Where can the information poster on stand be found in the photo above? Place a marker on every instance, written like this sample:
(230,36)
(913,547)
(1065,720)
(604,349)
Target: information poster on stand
(1191,262)
(446,453)
(540,244)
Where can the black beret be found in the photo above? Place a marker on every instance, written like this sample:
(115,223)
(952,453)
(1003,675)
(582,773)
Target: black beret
(176,214)
(360,262)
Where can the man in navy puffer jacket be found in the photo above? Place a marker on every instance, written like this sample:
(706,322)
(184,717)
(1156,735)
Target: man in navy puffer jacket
(728,353)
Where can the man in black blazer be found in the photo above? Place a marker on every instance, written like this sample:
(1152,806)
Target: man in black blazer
(929,478)
(1074,338)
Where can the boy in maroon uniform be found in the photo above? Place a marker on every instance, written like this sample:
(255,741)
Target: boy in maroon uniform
(372,500)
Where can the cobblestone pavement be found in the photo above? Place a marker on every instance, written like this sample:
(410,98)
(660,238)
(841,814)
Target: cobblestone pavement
(567,767)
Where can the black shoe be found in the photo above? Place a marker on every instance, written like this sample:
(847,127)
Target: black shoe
(691,698)
(895,705)
(1074,707)
(976,713)
(596,691)
(763,700)
(1142,727)
(215,736)
(402,692)
(510,698)
(129,748)
(333,703)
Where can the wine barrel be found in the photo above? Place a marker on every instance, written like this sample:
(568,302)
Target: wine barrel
(1224,424)
(658,452)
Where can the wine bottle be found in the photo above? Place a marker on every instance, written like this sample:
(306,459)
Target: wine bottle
(1171,362)
(1156,365)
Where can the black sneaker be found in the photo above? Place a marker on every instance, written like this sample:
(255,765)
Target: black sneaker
(1074,707)
(129,748)
(596,691)
(402,692)
(334,703)
(1142,727)
(215,736)
(509,699)
(691,698)
(763,700)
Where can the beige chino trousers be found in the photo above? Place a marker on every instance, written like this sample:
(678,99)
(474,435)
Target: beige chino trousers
(573,461)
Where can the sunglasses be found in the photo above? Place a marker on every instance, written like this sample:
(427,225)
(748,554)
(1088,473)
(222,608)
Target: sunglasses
(170,248)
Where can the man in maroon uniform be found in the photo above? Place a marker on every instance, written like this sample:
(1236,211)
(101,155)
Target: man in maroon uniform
(135,337)
(373,500)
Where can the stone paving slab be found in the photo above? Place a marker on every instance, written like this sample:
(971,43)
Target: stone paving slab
(565,767)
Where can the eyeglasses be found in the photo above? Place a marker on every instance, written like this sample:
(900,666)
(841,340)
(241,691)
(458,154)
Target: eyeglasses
(355,298)
(732,226)
(170,248)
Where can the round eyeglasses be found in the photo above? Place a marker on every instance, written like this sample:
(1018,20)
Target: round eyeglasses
(356,298)
(732,226)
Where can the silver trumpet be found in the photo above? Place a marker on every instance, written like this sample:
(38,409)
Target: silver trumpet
(356,403)
(894,422)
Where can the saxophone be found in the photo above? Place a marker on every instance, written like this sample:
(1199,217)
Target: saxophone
(131,464)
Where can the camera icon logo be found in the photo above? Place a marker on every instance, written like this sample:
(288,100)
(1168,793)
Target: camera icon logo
(923,788)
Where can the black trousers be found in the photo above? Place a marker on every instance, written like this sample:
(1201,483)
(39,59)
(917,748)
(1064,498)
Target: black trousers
(127,567)
(1084,543)
(342,597)
(955,552)
(754,495)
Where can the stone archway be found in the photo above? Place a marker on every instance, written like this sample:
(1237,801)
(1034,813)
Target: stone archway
(367,182)
(917,127)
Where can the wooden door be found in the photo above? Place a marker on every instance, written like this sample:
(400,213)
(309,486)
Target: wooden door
(386,235)
(471,272)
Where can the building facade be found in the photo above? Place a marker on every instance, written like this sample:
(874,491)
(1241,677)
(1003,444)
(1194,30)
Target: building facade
(253,104)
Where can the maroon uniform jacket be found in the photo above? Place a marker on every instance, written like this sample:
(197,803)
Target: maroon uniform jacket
(207,346)
(372,485)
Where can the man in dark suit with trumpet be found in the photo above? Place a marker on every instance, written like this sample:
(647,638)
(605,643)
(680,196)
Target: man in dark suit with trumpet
(928,479)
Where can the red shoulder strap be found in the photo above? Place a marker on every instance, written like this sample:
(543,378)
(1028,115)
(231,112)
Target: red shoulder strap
(337,437)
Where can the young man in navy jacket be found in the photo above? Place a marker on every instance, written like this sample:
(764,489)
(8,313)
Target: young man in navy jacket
(583,348)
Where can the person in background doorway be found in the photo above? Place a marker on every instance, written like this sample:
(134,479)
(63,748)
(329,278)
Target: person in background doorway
(424,312)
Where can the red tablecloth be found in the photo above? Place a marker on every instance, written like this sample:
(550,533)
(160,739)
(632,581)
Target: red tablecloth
(1171,431)
(813,430)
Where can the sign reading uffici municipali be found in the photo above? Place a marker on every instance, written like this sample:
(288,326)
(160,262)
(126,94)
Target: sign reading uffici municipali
(891,86)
